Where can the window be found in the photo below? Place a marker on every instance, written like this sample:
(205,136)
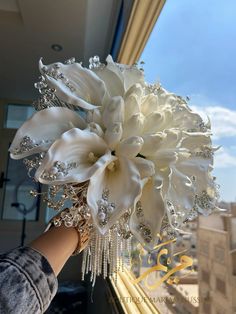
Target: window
(205,276)
(191,53)
(16,115)
(219,254)
(207,308)
(204,247)
(221,286)
(17,201)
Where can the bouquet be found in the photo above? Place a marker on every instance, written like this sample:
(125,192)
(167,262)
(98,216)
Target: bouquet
(131,159)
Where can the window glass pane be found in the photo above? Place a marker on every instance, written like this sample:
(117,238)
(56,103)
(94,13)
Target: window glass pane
(17,115)
(17,199)
(50,212)
(191,53)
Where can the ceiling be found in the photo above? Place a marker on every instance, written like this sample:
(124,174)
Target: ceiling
(28,29)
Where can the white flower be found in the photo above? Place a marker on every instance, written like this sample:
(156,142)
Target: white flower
(140,145)
(93,159)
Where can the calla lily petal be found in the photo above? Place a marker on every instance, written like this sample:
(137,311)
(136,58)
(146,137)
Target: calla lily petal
(149,104)
(95,128)
(113,82)
(153,122)
(181,191)
(42,129)
(74,84)
(113,135)
(145,167)
(198,170)
(134,126)
(152,143)
(165,158)
(129,147)
(82,154)
(129,75)
(124,186)
(113,112)
(132,75)
(192,141)
(114,68)
(148,213)
(94,116)
(136,90)
(131,106)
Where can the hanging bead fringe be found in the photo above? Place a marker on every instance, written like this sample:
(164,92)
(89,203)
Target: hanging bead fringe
(105,255)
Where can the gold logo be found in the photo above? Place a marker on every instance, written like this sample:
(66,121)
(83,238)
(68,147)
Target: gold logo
(184,262)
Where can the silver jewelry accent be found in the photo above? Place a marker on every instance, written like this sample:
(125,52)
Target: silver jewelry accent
(105,208)
(33,163)
(204,152)
(153,88)
(70,61)
(58,170)
(94,63)
(204,203)
(27,143)
(143,228)
(167,230)
(103,250)
(200,127)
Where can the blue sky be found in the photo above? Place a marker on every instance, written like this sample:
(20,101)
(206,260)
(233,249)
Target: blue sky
(192,51)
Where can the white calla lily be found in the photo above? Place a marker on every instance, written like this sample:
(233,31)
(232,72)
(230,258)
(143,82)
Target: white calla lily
(95,128)
(134,125)
(113,112)
(181,191)
(153,123)
(113,82)
(82,154)
(145,167)
(149,104)
(128,75)
(146,219)
(42,129)
(152,143)
(136,89)
(130,147)
(121,178)
(131,106)
(75,84)
(113,135)
(95,116)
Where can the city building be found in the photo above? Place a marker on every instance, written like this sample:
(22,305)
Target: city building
(217,263)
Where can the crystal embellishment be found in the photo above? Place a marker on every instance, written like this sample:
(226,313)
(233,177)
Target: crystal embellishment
(94,63)
(143,227)
(70,61)
(58,170)
(27,143)
(105,208)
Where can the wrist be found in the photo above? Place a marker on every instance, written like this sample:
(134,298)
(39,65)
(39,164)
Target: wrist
(69,220)
(57,244)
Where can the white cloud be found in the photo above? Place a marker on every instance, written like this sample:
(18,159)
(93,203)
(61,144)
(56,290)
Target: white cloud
(224,159)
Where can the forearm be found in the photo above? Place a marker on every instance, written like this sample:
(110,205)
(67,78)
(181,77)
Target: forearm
(57,245)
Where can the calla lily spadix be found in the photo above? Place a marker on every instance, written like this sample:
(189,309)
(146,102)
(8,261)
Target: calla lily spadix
(138,155)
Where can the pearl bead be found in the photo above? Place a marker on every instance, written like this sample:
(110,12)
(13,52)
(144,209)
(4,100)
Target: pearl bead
(60,175)
(53,170)
(102,216)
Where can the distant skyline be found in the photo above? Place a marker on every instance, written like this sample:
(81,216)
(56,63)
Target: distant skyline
(191,51)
